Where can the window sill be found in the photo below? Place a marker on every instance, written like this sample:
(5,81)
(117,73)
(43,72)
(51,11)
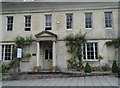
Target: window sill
(91,60)
(27,31)
(108,28)
(10,31)
(69,29)
(88,28)
(6,61)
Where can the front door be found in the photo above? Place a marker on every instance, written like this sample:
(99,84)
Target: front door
(48,56)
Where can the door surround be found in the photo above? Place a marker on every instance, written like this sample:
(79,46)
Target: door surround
(49,37)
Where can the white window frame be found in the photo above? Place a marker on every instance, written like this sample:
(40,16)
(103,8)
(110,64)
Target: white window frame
(109,19)
(90,20)
(95,59)
(47,22)
(69,21)
(4,47)
(9,23)
(28,23)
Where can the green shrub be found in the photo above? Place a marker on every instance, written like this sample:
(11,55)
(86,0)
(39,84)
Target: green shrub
(104,68)
(72,64)
(87,68)
(0,68)
(114,67)
(4,68)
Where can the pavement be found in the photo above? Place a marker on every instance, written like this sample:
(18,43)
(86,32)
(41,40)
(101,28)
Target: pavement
(88,81)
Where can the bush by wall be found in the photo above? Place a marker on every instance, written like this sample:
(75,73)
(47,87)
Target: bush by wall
(114,67)
(5,68)
(87,68)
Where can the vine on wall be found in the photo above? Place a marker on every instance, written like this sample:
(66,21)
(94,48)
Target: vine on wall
(74,42)
(21,41)
(115,42)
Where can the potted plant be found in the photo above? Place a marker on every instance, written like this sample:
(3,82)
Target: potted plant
(36,69)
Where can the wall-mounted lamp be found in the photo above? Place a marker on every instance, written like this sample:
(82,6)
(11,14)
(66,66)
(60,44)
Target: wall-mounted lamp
(58,22)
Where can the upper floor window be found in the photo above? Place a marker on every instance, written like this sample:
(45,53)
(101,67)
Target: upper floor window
(9,23)
(69,21)
(108,19)
(27,23)
(88,20)
(90,51)
(6,52)
(48,22)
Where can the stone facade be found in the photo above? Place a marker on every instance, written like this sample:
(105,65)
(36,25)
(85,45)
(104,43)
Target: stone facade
(98,33)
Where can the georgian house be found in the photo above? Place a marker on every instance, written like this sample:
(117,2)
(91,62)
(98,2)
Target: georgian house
(49,23)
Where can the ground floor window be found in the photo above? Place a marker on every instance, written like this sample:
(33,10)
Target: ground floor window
(90,51)
(6,52)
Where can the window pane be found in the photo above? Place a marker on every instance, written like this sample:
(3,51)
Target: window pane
(108,19)
(90,50)
(50,54)
(46,54)
(27,23)
(69,21)
(2,51)
(9,23)
(6,52)
(88,20)
(48,22)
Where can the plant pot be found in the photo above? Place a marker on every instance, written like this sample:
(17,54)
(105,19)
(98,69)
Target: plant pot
(54,69)
(36,69)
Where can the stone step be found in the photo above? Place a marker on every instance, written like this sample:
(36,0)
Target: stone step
(42,75)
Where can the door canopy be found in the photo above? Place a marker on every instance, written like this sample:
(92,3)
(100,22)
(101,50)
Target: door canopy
(46,36)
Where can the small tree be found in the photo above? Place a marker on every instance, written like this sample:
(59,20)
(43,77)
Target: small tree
(87,68)
(114,67)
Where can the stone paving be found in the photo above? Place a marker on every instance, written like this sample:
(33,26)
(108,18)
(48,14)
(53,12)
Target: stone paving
(71,81)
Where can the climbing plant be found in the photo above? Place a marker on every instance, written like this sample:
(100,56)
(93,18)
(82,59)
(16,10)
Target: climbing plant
(115,42)
(21,41)
(100,57)
(74,42)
